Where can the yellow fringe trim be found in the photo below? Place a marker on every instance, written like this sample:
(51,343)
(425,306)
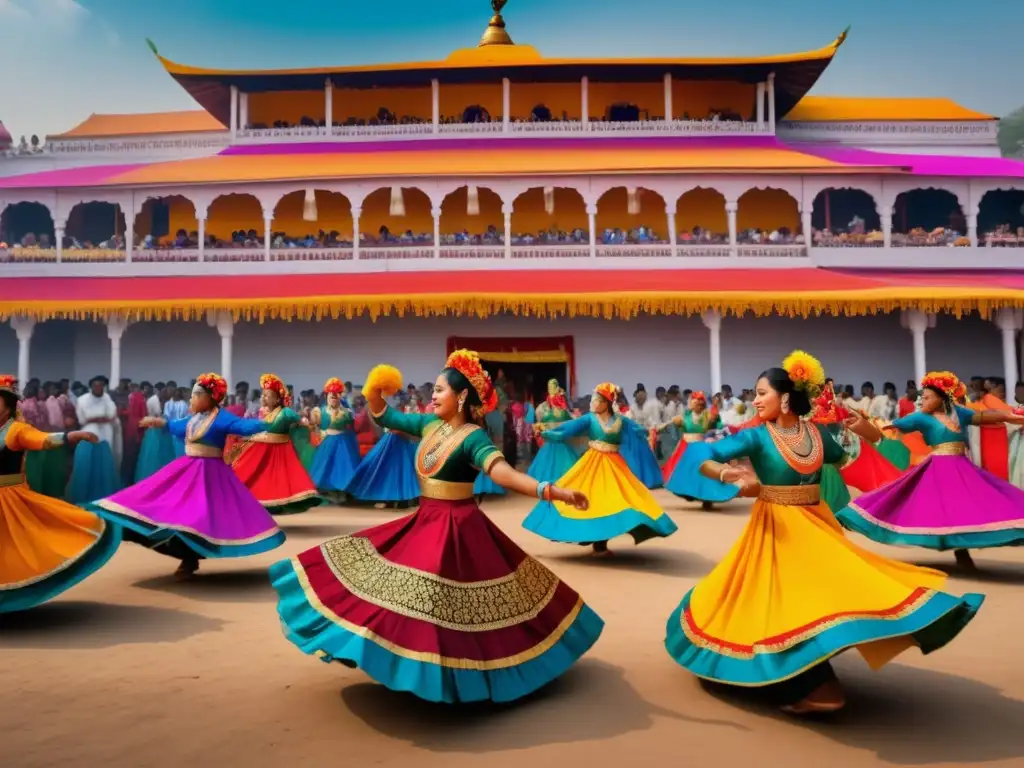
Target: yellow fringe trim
(608,305)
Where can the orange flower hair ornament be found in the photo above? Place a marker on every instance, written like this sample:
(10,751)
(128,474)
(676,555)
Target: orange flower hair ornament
(945,382)
(215,386)
(608,391)
(699,396)
(467,363)
(806,372)
(9,383)
(274,384)
(333,386)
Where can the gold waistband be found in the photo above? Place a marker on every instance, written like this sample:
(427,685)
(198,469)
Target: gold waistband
(269,437)
(950,449)
(603,447)
(201,451)
(791,495)
(8,481)
(443,490)
(692,437)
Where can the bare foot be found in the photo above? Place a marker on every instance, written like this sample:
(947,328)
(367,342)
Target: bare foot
(964,560)
(186,570)
(826,698)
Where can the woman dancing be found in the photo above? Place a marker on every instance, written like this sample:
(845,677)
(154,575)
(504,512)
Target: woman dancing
(196,507)
(336,458)
(620,503)
(946,502)
(440,603)
(554,458)
(695,424)
(793,592)
(267,462)
(47,546)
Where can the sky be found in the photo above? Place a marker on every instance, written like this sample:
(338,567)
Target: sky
(61,60)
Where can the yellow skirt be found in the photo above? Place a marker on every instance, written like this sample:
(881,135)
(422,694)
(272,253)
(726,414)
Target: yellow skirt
(793,592)
(619,504)
(47,546)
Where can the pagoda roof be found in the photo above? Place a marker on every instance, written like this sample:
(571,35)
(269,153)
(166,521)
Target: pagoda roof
(795,73)
(824,109)
(144,124)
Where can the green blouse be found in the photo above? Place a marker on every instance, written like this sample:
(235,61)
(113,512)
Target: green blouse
(456,457)
(281,422)
(757,445)
(546,414)
(341,420)
(589,426)
(692,424)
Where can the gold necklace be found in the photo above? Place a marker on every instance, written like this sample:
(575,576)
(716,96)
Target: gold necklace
(430,455)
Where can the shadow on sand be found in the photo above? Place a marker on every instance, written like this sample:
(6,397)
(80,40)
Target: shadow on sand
(645,559)
(592,702)
(86,625)
(249,585)
(991,572)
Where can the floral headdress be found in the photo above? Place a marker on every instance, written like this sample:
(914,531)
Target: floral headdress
(699,396)
(945,382)
(9,384)
(274,384)
(826,410)
(468,364)
(213,385)
(333,386)
(806,373)
(608,391)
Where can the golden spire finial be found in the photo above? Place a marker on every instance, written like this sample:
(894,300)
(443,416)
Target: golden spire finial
(495,33)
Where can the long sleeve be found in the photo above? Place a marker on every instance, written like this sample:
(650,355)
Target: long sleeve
(24,437)
(241,427)
(178,427)
(569,429)
(742,444)
(913,422)
(408,423)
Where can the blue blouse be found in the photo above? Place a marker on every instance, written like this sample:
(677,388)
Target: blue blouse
(588,425)
(215,432)
(934,431)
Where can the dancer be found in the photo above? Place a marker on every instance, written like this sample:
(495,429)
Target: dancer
(695,424)
(336,458)
(267,463)
(620,503)
(93,470)
(440,603)
(196,507)
(946,502)
(793,591)
(554,458)
(46,546)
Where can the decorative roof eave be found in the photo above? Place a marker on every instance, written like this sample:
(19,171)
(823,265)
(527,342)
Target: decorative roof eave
(795,74)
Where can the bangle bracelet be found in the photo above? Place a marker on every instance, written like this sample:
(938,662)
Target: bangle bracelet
(542,489)
(547,491)
(721,475)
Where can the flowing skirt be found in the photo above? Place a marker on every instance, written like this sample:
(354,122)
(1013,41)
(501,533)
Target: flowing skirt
(619,504)
(834,490)
(895,452)
(47,472)
(944,503)
(793,592)
(93,475)
(155,453)
(304,448)
(640,459)
(870,470)
(673,461)
(388,472)
(552,461)
(335,462)
(440,603)
(47,546)
(687,481)
(195,505)
(273,474)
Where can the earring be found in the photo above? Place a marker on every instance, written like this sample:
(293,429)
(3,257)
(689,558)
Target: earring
(462,401)
(785,404)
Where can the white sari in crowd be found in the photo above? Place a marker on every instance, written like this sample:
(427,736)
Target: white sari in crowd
(91,407)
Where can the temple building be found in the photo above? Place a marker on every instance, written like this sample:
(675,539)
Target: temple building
(661,220)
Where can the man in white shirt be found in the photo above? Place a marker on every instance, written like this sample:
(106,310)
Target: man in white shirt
(886,405)
(646,413)
(867,396)
(154,406)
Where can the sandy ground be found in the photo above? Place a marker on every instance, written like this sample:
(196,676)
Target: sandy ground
(131,669)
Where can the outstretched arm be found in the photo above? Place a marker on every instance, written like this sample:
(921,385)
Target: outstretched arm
(996,417)
(507,477)
(568,429)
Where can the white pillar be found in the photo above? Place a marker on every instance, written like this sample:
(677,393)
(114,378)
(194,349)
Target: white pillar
(129,228)
(243,111)
(972,231)
(731,209)
(233,126)
(668,97)
(670,219)
(592,223)
(760,105)
(507,210)
(771,102)
(116,326)
(806,227)
(918,323)
(201,223)
(435,97)
(585,101)
(506,103)
(329,106)
(58,235)
(268,223)
(23,327)
(436,213)
(886,217)
(356,213)
(225,325)
(713,322)
(1009,322)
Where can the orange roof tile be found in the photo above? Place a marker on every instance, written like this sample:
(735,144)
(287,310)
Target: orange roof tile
(151,123)
(841,108)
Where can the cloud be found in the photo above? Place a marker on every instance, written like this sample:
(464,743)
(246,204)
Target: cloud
(66,18)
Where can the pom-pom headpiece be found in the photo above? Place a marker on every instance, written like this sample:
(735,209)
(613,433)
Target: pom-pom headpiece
(608,391)
(9,384)
(274,384)
(213,385)
(468,364)
(806,373)
(333,386)
(945,382)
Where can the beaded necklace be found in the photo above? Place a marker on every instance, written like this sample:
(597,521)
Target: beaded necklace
(800,446)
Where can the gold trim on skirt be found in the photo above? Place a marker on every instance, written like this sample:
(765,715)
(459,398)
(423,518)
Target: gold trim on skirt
(692,437)
(791,495)
(9,481)
(202,451)
(269,437)
(603,447)
(950,449)
(443,490)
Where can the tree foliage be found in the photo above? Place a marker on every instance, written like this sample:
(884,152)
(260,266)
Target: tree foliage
(1011,134)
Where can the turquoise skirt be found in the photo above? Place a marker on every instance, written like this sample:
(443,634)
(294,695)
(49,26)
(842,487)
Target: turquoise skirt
(155,453)
(93,475)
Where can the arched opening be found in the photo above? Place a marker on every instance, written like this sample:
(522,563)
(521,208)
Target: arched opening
(1001,218)
(556,215)
(623,112)
(27,224)
(475,113)
(235,221)
(701,218)
(325,221)
(465,221)
(631,216)
(928,217)
(540,114)
(845,217)
(767,217)
(166,223)
(399,216)
(96,224)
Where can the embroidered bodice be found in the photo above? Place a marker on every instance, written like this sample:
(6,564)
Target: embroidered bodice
(768,461)
(589,425)
(341,419)
(933,430)
(213,427)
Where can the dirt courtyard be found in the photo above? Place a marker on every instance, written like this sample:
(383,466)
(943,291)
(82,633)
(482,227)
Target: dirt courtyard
(131,670)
